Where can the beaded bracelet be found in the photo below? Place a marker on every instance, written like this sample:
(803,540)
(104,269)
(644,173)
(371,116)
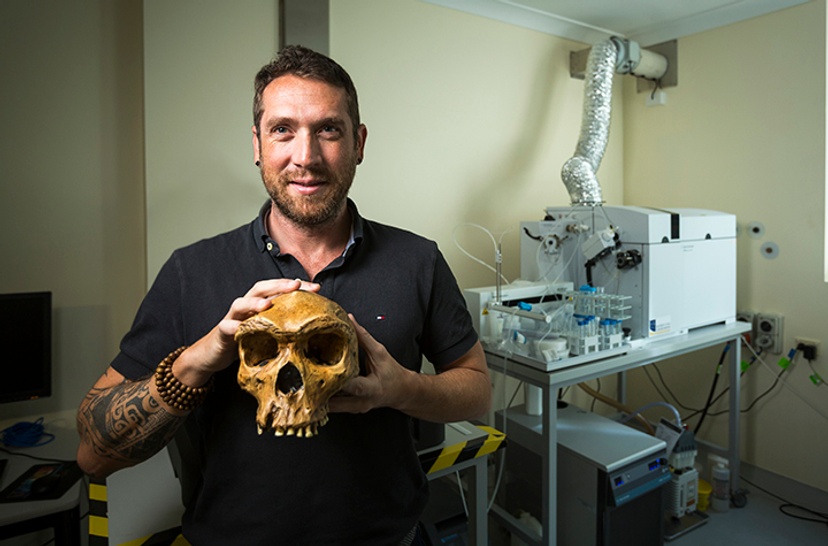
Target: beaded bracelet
(175,393)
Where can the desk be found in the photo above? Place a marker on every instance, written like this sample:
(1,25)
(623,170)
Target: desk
(63,514)
(551,382)
(466,446)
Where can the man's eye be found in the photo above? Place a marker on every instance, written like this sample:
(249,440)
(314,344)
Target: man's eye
(330,132)
(279,130)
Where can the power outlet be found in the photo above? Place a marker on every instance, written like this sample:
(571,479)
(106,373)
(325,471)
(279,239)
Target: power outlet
(809,347)
(749,317)
(745,316)
(768,332)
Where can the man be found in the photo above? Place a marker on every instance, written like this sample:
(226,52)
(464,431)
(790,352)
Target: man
(358,481)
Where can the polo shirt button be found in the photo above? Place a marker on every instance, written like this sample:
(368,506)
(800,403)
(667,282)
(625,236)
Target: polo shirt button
(269,247)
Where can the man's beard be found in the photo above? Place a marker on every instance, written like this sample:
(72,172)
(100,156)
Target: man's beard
(310,210)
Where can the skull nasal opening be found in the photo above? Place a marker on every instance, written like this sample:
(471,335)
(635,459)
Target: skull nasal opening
(289,380)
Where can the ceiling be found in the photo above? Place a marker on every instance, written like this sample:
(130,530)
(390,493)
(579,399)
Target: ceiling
(645,21)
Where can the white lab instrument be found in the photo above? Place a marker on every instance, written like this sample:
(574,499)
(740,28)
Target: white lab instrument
(678,266)
(499,312)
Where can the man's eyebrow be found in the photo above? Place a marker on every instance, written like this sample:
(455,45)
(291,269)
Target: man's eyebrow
(333,120)
(276,121)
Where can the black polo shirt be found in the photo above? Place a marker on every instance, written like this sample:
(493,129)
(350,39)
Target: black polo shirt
(358,481)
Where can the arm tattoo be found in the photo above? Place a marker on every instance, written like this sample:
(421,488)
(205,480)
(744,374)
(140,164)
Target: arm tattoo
(126,423)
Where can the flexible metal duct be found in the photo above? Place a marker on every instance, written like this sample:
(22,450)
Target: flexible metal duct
(579,172)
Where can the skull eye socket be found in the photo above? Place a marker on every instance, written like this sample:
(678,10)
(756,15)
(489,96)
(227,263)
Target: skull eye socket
(258,349)
(325,349)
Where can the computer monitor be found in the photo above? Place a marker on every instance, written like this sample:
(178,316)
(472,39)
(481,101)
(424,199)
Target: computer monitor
(26,338)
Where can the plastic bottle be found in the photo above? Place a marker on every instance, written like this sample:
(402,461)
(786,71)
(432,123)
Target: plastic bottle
(533,395)
(720,500)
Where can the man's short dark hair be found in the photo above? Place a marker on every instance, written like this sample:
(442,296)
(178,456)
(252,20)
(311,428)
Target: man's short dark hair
(305,63)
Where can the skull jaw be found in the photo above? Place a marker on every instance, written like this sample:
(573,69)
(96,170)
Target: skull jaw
(306,431)
(298,418)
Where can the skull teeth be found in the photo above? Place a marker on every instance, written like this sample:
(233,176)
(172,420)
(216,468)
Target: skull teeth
(300,432)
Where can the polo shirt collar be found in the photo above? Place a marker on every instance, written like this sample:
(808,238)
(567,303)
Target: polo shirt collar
(262,239)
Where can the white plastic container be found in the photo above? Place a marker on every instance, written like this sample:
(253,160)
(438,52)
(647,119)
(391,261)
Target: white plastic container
(720,499)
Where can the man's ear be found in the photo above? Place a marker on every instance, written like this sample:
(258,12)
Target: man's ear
(362,136)
(257,146)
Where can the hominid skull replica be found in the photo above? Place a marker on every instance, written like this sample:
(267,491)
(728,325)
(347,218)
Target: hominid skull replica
(294,357)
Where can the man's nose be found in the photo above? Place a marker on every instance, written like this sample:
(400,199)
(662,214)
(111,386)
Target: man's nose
(306,151)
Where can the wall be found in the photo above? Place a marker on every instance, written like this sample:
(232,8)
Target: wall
(200,60)
(71,164)
(744,132)
(469,120)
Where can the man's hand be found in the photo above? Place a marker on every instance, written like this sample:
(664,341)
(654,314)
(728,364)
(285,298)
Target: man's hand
(460,391)
(216,350)
(383,383)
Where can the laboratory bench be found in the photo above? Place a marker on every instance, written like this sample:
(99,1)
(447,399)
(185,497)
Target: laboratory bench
(550,382)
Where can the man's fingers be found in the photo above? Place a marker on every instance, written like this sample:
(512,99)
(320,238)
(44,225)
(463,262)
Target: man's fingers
(365,339)
(259,297)
(273,287)
(351,398)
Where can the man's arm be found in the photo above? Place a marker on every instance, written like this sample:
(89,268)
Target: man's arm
(122,423)
(462,389)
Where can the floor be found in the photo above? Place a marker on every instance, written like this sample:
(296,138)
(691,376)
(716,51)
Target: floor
(759,523)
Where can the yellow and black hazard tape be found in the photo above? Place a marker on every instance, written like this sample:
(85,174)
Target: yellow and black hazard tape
(98,514)
(463,451)
(99,523)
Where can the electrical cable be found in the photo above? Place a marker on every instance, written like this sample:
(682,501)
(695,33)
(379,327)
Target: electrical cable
(741,374)
(777,376)
(667,387)
(45,459)
(724,391)
(803,399)
(695,411)
(712,388)
(755,400)
(793,354)
(816,378)
(767,391)
(25,434)
(820,517)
